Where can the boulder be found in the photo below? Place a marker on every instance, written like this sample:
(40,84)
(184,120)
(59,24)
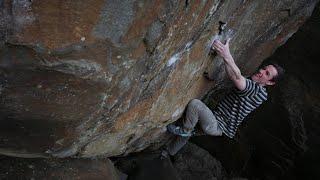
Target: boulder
(103,77)
(190,163)
(195,163)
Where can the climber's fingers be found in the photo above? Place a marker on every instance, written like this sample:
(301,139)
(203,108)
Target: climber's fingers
(218,43)
(227,42)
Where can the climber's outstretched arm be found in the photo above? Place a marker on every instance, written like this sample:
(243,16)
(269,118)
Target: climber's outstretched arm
(232,69)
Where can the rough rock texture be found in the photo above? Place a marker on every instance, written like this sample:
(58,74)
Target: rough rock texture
(104,77)
(195,163)
(20,168)
(281,138)
(191,163)
(140,166)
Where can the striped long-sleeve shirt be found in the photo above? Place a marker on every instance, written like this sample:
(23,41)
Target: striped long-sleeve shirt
(237,105)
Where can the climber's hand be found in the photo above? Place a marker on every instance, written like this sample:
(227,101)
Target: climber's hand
(222,49)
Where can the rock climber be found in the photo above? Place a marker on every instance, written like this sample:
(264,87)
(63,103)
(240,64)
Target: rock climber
(247,95)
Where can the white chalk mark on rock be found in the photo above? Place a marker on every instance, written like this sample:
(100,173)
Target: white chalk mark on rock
(188,46)
(174,59)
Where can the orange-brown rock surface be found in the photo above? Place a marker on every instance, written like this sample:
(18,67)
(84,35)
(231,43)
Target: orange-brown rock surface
(104,77)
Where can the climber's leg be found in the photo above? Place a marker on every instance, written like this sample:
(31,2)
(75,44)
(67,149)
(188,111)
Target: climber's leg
(196,111)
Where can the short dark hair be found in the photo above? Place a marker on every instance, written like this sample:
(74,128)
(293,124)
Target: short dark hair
(280,72)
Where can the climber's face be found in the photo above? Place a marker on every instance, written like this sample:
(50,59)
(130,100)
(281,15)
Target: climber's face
(265,75)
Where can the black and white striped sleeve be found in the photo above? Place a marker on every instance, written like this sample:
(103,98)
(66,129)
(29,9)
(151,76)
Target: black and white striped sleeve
(249,90)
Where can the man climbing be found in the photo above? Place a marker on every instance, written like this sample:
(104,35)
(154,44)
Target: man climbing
(248,94)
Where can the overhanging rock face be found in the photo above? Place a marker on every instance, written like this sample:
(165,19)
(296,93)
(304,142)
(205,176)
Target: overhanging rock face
(104,77)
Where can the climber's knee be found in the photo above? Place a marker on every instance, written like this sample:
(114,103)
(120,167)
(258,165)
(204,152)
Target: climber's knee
(213,131)
(194,103)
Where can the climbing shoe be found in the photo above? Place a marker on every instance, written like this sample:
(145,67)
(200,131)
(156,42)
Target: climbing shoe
(177,130)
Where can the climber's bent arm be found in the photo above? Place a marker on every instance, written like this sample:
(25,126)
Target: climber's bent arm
(232,69)
(234,73)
